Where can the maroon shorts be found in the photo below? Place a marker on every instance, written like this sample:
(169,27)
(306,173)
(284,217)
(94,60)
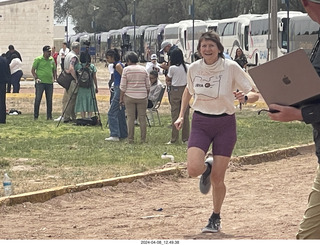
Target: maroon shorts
(220,130)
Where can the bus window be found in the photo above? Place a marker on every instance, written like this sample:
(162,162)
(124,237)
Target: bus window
(284,34)
(246,38)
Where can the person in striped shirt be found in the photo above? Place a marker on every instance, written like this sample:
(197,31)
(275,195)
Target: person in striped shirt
(134,91)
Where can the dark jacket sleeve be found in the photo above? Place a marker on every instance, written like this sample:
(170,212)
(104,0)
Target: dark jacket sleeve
(4,71)
(311,113)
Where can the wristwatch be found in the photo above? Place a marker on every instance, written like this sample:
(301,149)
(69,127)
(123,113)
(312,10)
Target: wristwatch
(245,99)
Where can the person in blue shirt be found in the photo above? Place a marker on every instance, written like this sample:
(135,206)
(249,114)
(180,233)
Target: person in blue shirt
(116,114)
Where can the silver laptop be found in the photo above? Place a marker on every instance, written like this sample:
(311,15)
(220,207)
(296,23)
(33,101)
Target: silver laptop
(288,80)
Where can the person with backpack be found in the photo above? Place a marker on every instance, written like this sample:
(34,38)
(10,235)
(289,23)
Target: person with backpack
(87,87)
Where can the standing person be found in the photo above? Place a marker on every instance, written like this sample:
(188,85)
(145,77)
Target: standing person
(55,55)
(4,79)
(9,54)
(16,72)
(62,54)
(240,58)
(310,114)
(44,72)
(212,82)
(12,51)
(154,65)
(111,80)
(116,114)
(70,95)
(177,81)
(167,47)
(85,102)
(135,87)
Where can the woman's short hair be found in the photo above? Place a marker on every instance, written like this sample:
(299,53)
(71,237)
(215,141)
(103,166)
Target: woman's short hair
(132,57)
(154,73)
(213,36)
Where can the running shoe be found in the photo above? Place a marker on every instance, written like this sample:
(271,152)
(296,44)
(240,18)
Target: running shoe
(205,183)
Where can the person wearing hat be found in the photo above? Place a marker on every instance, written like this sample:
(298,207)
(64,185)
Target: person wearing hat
(154,65)
(44,71)
(167,47)
(310,114)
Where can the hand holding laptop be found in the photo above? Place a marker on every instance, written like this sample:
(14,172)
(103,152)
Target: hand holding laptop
(284,113)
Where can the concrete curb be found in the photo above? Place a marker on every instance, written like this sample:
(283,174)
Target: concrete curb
(47,194)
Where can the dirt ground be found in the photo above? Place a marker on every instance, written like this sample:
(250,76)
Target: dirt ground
(263,201)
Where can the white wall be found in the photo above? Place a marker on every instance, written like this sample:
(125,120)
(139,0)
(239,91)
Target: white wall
(28,27)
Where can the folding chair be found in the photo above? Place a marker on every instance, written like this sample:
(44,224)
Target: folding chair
(155,108)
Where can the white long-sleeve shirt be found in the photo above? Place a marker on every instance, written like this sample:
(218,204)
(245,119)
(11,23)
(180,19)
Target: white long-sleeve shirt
(15,65)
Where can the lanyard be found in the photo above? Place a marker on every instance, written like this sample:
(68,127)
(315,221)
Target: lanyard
(315,48)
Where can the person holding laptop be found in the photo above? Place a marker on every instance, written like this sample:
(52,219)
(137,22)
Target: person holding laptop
(310,114)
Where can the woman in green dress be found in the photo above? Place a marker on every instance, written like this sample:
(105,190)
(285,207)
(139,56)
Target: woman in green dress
(86,98)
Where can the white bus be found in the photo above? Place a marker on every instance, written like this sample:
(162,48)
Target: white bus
(153,37)
(234,33)
(188,40)
(259,30)
(181,34)
(303,33)
(212,25)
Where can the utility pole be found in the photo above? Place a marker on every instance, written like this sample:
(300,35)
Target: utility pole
(288,23)
(134,25)
(191,12)
(94,26)
(66,30)
(274,29)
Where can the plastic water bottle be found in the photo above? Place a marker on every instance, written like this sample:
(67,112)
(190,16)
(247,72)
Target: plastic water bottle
(7,185)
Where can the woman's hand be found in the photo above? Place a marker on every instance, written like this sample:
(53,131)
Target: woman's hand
(239,95)
(178,123)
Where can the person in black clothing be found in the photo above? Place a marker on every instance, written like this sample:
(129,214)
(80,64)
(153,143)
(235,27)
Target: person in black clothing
(9,54)
(240,58)
(167,47)
(4,79)
(310,114)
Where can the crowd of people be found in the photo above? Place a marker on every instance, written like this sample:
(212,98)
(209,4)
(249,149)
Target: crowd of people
(213,82)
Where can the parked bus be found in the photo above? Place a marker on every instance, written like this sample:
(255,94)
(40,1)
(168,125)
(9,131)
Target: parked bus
(212,25)
(104,37)
(133,43)
(303,33)
(188,45)
(153,37)
(181,35)
(259,33)
(248,31)
(140,46)
(234,33)
(120,40)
